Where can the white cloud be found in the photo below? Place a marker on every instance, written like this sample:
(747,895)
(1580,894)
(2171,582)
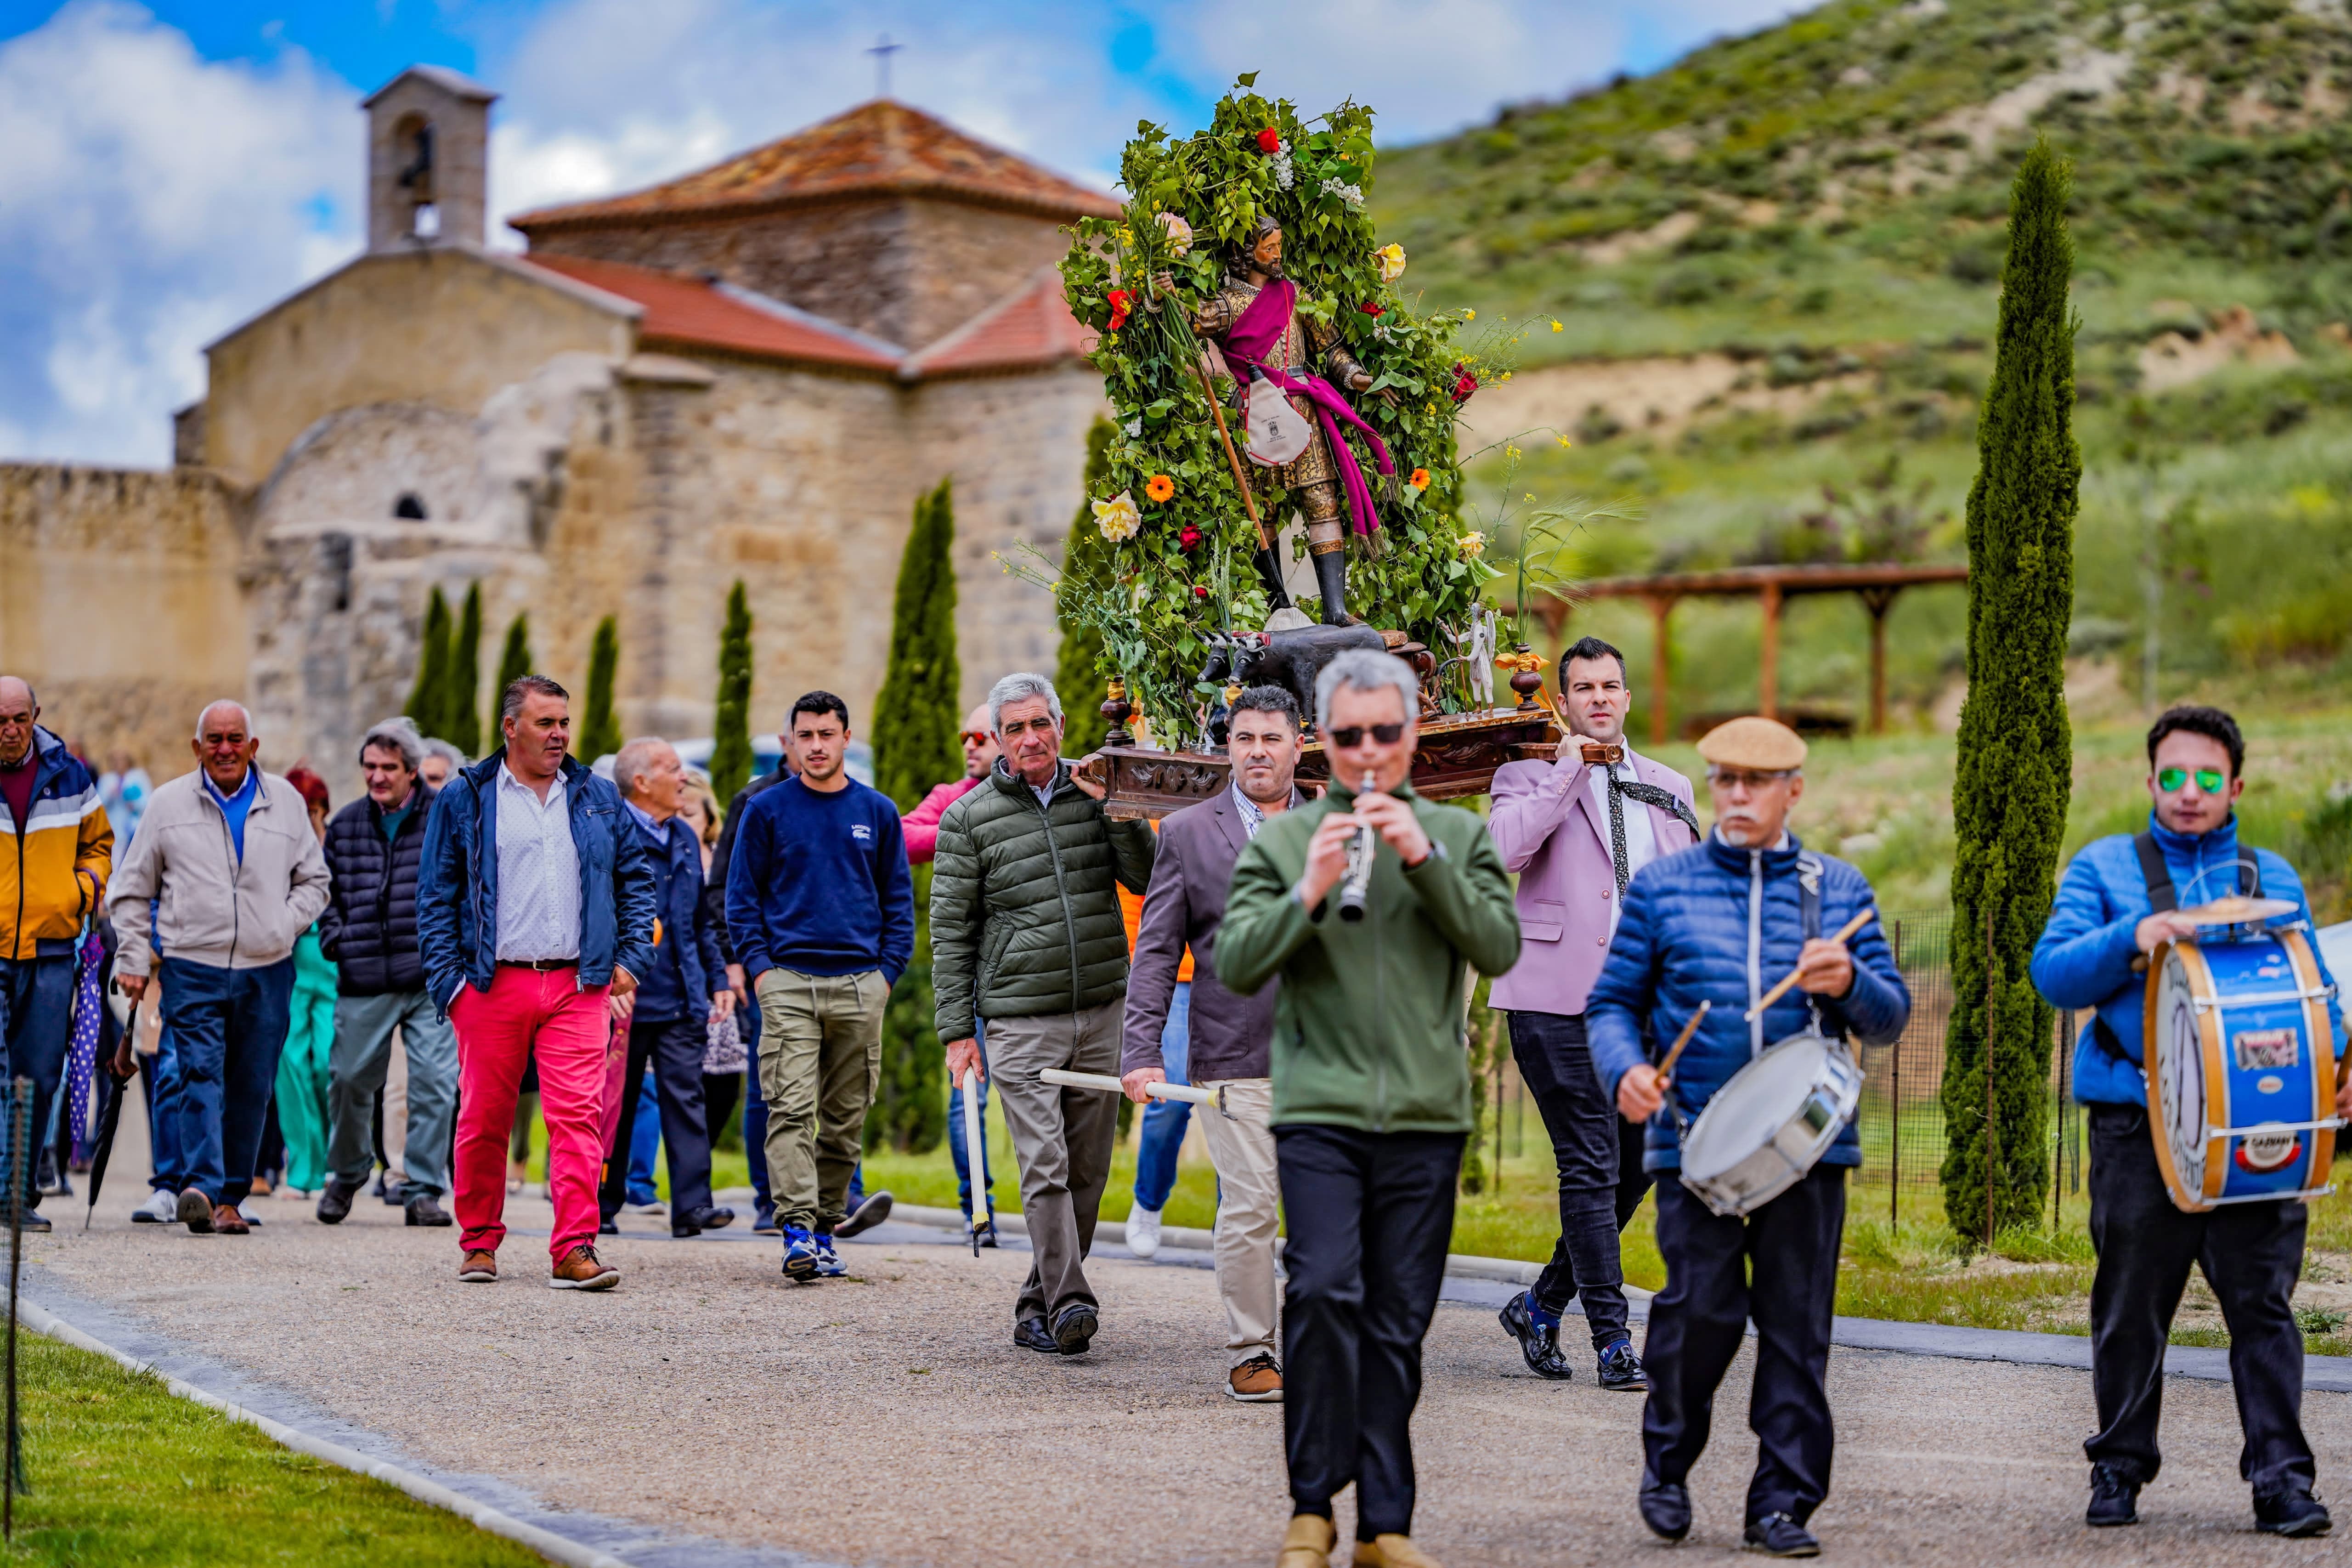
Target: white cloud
(148,202)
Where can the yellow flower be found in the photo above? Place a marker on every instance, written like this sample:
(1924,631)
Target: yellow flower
(1506,375)
(1468,314)
(1160,487)
(1565,442)
(1510,451)
(1118,517)
(1390,258)
(1474,544)
(1531,495)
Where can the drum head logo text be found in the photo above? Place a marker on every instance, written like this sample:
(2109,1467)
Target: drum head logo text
(2267,1150)
(2260,1049)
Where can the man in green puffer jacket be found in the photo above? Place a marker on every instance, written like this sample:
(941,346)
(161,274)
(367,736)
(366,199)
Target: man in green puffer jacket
(1371,1090)
(1027,938)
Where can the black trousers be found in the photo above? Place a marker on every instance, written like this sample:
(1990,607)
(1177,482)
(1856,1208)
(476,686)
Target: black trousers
(1371,1215)
(673,1047)
(2251,1254)
(1599,1156)
(1778,1265)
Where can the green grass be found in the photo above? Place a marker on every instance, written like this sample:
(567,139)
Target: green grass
(124,1473)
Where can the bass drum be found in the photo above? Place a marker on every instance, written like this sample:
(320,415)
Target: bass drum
(1770,1123)
(2241,1071)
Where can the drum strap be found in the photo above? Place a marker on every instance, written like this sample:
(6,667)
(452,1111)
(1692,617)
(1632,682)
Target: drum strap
(2162,898)
(1808,914)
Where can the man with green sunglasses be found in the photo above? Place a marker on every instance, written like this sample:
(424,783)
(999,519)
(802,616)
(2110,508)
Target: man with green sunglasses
(2120,899)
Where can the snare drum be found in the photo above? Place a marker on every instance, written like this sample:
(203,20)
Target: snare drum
(1766,1127)
(2241,1071)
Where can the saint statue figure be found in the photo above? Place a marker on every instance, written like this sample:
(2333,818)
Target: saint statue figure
(1293,415)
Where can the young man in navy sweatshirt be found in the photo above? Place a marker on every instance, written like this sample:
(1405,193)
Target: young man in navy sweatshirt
(821,909)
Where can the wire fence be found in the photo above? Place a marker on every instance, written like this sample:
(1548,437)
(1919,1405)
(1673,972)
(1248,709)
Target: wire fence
(1901,1119)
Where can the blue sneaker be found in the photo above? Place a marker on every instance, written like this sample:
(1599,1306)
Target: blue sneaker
(829,1264)
(801,1257)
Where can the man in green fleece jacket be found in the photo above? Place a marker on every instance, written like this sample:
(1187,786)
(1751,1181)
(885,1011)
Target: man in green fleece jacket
(1371,1090)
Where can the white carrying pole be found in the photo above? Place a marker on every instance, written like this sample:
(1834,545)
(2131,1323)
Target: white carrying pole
(975,1143)
(1104,1081)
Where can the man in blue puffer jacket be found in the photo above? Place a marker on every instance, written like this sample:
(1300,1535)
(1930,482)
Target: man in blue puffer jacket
(2113,906)
(1721,923)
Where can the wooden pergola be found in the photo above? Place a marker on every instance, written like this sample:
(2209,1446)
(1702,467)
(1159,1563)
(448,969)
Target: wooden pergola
(1876,585)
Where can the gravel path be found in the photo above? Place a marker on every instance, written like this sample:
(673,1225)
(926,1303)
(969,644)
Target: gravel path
(889,1418)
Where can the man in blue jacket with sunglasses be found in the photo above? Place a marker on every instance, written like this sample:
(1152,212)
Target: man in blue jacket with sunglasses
(2122,897)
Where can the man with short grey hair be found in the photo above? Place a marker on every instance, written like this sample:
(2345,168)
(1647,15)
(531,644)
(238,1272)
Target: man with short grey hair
(228,857)
(1026,873)
(438,759)
(375,847)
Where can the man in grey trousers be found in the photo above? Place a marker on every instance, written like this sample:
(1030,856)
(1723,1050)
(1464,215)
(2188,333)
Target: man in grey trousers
(1026,934)
(376,846)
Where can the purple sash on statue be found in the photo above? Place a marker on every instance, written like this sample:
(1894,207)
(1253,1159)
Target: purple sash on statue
(1252,338)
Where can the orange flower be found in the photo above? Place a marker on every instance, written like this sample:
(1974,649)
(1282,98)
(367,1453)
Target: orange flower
(1160,487)
(1420,479)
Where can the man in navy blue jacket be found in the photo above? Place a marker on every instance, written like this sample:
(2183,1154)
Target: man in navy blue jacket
(820,910)
(1721,922)
(669,1014)
(2115,906)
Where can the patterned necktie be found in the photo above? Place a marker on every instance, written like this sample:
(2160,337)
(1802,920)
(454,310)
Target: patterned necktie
(1648,795)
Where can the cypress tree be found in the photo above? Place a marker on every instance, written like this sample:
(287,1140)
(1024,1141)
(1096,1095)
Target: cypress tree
(2011,788)
(916,718)
(730,724)
(1078,674)
(600,732)
(426,698)
(461,698)
(514,663)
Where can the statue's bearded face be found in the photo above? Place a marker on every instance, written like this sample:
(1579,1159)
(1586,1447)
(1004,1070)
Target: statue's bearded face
(1266,253)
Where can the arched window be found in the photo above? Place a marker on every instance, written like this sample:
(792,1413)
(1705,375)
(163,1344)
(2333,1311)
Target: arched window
(410,506)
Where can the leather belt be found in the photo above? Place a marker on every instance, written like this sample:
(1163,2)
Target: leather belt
(540,965)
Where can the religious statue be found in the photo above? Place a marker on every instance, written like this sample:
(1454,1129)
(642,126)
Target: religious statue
(1293,416)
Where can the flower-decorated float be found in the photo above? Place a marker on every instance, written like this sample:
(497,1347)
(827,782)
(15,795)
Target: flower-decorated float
(1276,394)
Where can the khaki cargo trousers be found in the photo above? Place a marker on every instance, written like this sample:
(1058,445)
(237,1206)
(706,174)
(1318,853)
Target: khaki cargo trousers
(820,1060)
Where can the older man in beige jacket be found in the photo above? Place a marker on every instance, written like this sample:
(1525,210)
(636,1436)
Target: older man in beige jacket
(227,860)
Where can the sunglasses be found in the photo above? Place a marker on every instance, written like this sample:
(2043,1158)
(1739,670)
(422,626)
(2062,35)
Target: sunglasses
(1348,736)
(2209,779)
(977,737)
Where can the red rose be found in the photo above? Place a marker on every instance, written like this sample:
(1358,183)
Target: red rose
(1464,382)
(1189,539)
(1370,308)
(1121,303)
(1270,139)
(1199,592)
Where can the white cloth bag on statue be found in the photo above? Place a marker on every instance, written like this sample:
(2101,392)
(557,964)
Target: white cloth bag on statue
(1275,433)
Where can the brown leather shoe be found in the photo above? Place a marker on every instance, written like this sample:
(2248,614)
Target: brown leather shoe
(226,1221)
(1392,1551)
(579,1270)
(1256,1381)
(1308,1544)
(478,1269)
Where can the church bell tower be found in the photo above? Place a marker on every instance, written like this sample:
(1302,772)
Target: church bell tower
(428,160)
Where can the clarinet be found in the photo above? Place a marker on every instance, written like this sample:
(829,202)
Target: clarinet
(1358,883)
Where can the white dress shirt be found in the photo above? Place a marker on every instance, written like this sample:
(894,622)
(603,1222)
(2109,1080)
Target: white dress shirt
(539,873)
(1640,838)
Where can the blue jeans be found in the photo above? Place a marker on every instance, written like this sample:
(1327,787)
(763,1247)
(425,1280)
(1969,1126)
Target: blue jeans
(159,1075)
(755,1114)
(36,1025)
(955,1132)
(645,1142)
(1164,1121)
(228,1026)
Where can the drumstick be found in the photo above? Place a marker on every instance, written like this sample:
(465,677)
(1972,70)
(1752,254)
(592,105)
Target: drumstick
(1781,990)
(1666,1068)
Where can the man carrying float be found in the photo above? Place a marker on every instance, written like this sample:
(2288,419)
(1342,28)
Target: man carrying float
(2127,900)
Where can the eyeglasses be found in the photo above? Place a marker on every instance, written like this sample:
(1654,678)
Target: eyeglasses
(1734,778)
(1349,737)
(2209,779)
(977,737)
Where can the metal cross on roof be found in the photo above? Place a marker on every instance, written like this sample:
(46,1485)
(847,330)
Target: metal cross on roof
(882,51)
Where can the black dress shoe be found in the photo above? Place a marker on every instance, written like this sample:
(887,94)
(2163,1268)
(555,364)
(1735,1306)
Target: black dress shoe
(694,1221)
(870,1214)
(422,1210)
(335,1201)
(607,1228)
(1621,1369)
(1032,1334)
(1074,1328)
(1777,1535)
(2293,1512)
(1539,1346)
(2114,1499)
(1665,1508)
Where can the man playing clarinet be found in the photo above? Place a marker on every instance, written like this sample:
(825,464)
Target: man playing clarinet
(1719,924)
(2121,897)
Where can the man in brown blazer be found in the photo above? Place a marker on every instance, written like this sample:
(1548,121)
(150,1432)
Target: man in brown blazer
(1232,1037)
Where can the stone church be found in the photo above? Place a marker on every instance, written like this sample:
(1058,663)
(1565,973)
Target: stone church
(751,372)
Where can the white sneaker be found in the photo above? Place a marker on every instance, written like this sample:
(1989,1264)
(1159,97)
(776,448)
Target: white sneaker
(252,1215)
(1143,1231)
(161,1208)
(654,1210)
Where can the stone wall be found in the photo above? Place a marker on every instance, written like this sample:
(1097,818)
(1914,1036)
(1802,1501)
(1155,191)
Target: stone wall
(122,605)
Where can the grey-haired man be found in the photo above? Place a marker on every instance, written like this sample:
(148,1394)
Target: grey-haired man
(1026,873)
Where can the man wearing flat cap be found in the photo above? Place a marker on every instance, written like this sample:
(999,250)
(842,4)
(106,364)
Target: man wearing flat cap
(1722,923)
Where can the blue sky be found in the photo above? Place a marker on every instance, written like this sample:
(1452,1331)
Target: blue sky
(174,167)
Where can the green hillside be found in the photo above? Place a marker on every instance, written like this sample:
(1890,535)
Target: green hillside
(1822,206)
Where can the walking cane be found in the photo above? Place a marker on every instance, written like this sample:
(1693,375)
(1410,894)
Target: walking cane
(975,1142)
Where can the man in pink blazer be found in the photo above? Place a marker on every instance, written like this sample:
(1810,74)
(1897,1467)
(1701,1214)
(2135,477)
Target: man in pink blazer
(1576,830)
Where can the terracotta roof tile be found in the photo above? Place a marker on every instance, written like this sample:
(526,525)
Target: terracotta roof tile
(1029,326)
(881,148)
(689,313)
